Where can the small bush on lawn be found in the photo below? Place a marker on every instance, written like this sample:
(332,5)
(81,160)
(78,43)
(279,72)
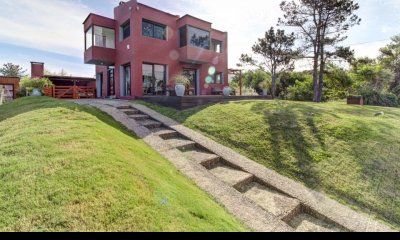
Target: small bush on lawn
(376,98)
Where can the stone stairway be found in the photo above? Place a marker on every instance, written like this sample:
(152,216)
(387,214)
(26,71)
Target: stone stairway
(259,197)
(283,207)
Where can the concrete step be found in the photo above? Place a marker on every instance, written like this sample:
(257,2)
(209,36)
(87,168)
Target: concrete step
(165,133)
(139,117)
(124,108)
(280,205)
(307,223)
(150,124)
(208,160)
(231,176)
(130,111)
(181,144)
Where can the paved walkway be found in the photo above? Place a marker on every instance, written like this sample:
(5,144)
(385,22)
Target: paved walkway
(260,198)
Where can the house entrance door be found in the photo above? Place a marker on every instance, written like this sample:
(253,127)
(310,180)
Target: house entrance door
(192,75)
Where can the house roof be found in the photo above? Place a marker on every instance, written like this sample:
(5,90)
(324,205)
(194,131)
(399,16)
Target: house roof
(69,78)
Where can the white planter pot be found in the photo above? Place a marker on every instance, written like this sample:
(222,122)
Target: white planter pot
(227,91)
(36,92)
(180,90)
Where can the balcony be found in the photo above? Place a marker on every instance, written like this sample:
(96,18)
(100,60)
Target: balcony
(100,56)
(194,55)
(99,40)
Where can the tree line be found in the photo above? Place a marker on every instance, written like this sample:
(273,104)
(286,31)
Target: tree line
(319,27)
(376,79)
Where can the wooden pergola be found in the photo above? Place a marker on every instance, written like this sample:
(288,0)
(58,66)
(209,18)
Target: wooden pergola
(240,73)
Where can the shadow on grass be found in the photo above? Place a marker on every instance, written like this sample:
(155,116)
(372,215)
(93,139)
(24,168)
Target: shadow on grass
(286,135)
(29,104)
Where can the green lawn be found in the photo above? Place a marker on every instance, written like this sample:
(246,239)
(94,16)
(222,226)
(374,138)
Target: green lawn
(345,151)
(64,167)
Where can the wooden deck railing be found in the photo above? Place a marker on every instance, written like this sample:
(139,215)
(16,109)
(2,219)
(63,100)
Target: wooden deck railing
(70,92)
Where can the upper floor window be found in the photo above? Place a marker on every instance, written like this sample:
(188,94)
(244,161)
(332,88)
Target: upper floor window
(125,30)
(195,37)
(198,37)
(154,30)
(89,38)
(100,37)
(217,46)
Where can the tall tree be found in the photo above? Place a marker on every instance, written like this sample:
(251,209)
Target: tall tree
(275,53)
(12,70)
(322,25)
(390,58)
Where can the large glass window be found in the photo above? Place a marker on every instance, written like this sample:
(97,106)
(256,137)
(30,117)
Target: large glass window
(125,30)
(154,30)
(104,37)
(217,46)
(154,79)
(126,81)
(89,38)
(198,37)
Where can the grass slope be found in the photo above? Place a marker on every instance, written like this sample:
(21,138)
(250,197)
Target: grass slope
(344,151)
(65,167)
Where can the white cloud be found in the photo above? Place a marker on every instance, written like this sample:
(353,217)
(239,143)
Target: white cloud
(50,25)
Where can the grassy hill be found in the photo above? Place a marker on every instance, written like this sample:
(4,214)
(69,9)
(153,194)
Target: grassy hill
(349,152)
(65,167)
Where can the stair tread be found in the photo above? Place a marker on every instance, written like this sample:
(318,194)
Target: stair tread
(149,122)
(307,223)
(141,116)
(179,142)
(124,108)
(162,131)
(274,202)
(230,175)
(200,156)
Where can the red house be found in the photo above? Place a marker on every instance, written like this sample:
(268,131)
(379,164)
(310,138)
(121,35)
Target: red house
(139,52)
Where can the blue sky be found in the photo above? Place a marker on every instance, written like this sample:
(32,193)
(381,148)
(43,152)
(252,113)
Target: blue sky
(51,30)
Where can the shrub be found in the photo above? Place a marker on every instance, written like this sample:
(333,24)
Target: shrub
(301,91)
(27,84)
(375,98)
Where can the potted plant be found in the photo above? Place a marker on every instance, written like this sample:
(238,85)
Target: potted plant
(34,86)
(227,91)
(181,81)
(265,85)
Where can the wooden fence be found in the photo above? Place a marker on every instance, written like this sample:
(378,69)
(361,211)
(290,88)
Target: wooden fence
(70,92)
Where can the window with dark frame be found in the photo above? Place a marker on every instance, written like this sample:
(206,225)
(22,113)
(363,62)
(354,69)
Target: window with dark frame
(154,79)
(198,37)
(194,37)
(154,30)
(183,36)
(217,46)
(218,78)
(126,30)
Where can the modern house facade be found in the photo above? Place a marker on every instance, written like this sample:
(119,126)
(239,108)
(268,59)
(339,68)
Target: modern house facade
(139,52)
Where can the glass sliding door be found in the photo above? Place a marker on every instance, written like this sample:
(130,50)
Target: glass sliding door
(192,75)
(154,79)
(126,81)
(111,82)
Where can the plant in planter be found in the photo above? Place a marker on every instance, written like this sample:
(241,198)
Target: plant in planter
(265,85)
(34,86)
(227,91)
(181,81)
